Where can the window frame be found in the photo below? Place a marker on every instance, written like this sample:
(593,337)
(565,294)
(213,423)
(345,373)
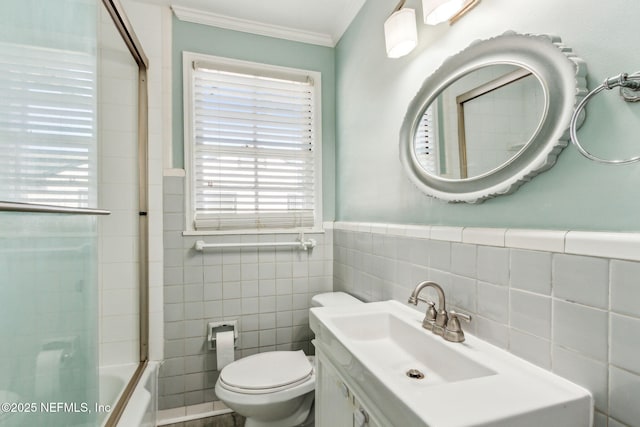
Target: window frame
(188,58)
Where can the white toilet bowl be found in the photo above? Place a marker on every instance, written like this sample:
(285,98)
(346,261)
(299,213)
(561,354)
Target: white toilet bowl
(276,388)
(273,389)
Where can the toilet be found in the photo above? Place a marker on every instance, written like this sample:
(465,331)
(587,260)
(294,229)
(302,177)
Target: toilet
(276,388)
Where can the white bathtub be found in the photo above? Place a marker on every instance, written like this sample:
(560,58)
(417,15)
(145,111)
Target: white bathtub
(142,406)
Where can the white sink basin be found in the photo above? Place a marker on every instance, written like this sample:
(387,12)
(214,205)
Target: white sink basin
(392,348)
(465,384)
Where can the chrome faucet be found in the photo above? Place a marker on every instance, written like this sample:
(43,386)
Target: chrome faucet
(435,319)
(439,321)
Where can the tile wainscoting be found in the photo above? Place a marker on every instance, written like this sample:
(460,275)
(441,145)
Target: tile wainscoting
(267,290)
(567,301)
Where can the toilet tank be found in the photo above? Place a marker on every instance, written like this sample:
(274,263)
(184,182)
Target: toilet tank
(331,299)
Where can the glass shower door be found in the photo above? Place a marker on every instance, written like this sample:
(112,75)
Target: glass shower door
(48,326)
(48,260)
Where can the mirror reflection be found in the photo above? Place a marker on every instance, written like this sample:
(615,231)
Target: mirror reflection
(479,122)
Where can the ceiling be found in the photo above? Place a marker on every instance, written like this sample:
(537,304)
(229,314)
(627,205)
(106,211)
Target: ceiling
(313,21)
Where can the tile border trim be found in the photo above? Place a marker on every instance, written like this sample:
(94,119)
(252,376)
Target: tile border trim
(617,245)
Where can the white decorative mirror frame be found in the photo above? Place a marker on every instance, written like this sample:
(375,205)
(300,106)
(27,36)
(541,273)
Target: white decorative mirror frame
(562,76)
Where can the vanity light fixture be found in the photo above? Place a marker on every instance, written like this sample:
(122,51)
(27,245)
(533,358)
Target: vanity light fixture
(400,33)
(437,11)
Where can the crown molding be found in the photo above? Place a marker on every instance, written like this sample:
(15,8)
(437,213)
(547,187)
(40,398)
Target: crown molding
(345,18)
(253,27)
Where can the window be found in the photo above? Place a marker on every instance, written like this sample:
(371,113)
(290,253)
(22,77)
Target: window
(47,132)
(425,142)
(252,146)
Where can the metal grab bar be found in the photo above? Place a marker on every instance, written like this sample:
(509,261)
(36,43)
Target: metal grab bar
(37,208)
(630,92)
(301,244)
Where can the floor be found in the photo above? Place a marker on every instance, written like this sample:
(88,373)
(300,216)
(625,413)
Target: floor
(226,420)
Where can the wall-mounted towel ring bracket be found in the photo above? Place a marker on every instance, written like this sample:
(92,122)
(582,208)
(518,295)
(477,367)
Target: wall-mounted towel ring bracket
(629,90)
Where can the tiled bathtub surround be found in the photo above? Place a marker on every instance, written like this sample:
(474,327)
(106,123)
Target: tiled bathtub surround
(267,290)
(566,301)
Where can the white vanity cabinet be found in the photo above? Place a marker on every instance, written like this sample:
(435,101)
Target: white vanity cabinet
(338,403)
(368,356)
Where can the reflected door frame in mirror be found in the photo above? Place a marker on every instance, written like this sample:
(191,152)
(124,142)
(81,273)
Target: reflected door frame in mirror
(469,96)
(562,76)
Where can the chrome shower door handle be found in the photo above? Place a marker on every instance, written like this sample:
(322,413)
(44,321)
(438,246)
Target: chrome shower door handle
(6,206)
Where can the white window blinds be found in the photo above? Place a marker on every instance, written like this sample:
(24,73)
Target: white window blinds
(253,150)
(47,126)
(425,142)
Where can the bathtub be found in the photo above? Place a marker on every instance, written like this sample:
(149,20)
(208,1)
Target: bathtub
(142,406)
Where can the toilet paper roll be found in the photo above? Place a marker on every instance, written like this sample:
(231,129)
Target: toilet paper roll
(48,367)
(224,348)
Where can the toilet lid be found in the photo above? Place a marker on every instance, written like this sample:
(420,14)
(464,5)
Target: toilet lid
(270,370)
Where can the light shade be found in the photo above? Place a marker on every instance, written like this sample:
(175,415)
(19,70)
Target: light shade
(400,33)
(437,11)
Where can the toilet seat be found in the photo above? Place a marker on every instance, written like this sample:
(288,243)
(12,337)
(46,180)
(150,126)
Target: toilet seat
(267,372)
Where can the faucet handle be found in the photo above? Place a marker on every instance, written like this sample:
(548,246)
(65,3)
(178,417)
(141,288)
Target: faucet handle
(430,315)
(453,331)
(463,316)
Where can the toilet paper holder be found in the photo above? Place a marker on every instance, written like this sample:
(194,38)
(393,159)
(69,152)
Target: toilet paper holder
(224,326)
(66,344)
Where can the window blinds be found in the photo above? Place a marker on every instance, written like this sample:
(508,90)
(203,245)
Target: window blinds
(425,142)
(47,126)
(253,151)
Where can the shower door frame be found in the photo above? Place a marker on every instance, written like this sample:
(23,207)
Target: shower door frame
(124,27)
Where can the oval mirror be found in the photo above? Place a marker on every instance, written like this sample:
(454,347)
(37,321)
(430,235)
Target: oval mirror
(491,117)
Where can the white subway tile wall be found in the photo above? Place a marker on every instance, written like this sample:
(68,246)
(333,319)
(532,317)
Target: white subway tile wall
(119,263)
(267,290)
(532,292)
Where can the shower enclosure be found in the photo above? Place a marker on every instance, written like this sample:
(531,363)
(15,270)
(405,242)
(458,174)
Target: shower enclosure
(73,226)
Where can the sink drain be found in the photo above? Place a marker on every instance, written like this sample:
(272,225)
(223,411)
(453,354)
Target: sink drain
(415,374)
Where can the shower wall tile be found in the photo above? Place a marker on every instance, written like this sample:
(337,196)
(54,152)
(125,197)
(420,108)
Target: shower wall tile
(266,290)
(573,313)
(118,269)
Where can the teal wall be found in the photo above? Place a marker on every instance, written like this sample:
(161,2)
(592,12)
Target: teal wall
(249,47)
(373,93)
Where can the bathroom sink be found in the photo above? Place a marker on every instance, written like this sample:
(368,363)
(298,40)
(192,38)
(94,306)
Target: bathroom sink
(419,379)
(392,346)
